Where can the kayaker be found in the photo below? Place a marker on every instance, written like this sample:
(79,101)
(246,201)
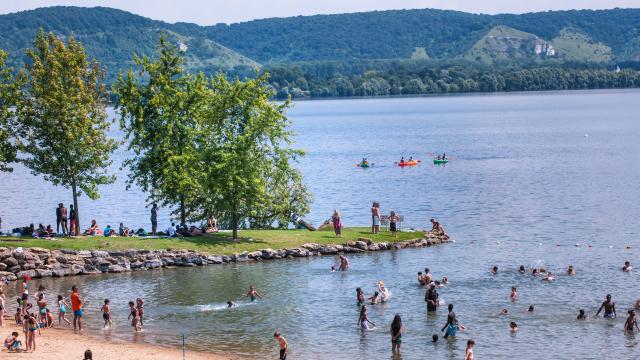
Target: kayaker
(410,158)
(438,158)
(402,160)
(444,156)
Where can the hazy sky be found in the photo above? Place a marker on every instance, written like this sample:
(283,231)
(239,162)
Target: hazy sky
(207,12)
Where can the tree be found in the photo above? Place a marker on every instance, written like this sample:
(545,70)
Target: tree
(159,110)
(247,157)
(8,96)
(63,119)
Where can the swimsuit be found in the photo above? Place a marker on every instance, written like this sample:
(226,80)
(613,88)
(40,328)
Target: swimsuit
(452,329)
(376,220)
(106,316)
(77,312)
(608,315)
(392,227)
(364,325)
(283,354)
(63,309)
(398,339)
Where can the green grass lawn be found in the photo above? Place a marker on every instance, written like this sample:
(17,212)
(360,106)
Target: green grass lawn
(220,244)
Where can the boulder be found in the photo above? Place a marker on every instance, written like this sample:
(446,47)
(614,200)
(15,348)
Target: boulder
(15,269)
(3,266)
(24,274)
(152,264)
(215,259)
(43,273)
(10,261)
(39,251)
(116,269)
(8,276)
(328,250)
(361,245)
(366,240)
(311,246)
(57,272)
(255,255)
(298,252)
(28,266)
(100,254)
(373,247)
(69,252)
(269,253)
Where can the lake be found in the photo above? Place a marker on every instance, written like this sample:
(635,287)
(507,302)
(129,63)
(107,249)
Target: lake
(531,175)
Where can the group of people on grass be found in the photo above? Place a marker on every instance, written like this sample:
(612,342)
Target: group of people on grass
(393,219)
(38,318)
(67,221)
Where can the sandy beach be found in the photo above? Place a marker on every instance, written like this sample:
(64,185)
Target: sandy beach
(56,344)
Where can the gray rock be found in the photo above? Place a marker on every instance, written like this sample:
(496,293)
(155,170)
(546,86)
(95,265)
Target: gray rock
(100,254)
(57,272)
(361,245)
(255,254)
(311,246)
(116,269)
(153,264)
(24,274)
(8,276)
(42,273)
(328,250)
(269,253)
(69,252)
(15,269)
(28,266)
(3,266)
(116,253)
(215,259)
(373,247)
(10,261)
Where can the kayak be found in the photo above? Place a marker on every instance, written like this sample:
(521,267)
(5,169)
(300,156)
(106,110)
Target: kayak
(408,163)
(436,161)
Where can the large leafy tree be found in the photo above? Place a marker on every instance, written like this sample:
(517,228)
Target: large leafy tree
(159,108)
(245,143)
(8,96)
(63,118)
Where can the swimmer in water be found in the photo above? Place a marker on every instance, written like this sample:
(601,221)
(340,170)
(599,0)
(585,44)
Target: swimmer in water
(534,272)
(374,298)
(452,324)
(363,320)
(581,315)
(333,268)
(253,294)
(504,312)
(571,270)
(609,308)
(230,304)
(627,266)
(421,279)
(513,326)
(434,338)
(445,281)
(531,308)
(384,292)
(427,276)
(631,323)
(549,277)
(521,270)
(360,297)
(494,270)
(514,293)
(344,263)
(468,353)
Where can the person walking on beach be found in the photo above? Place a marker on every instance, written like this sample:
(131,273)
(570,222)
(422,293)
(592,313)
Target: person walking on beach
(62,311)
(284,346)
(154,219)
(76,306)
(609,308)
(375,218)
(337,225)
(396,334)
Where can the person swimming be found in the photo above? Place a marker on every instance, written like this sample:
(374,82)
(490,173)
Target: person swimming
(230,304)
(627,266)
(514,293)
(384,292)
(494,270)
(504,312)
(374,298)
(513,326)
(531,308)
(360,297)
(609,308)
(571,270)
(549,277)
(421,279)
(534,272)
(521,270)
(581,315)
(630,323)
(452,324)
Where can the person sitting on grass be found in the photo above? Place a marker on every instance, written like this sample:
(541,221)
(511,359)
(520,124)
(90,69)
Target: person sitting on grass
(94,229)
(171,230)
(124,231)
(108,231)
(213,224)
(194,231)
(12,343)
(48,232)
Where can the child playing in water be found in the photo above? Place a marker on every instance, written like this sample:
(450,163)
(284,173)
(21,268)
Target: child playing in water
(513,326)
(521,270)
(468,355)
(504,312)
(627,266)
(396,333)
(253,294)
(393,226)
(531,308)
(50,319)
(445,281)
(571,271)
(284,346)
(581,315)
(494,270)
(420,278)
(230,304)
(374,298)
(42,308)
(106,314)
(134,316)
(62,310)
(140,307)
(514,294)
(384,292)
(360,297)
(363,320)
(549,277)
(631,323)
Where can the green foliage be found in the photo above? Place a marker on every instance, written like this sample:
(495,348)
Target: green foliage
(245,142)
(8,98)
(160,108)
(63,119)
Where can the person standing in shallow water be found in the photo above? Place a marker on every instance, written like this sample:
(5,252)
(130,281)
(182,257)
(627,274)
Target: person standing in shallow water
(452,324)
(154,219)
(609,308)
(431,298)
(396,334)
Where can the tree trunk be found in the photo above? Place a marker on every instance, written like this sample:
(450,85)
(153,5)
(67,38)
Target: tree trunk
(75,206)
(234,224)
(183,212)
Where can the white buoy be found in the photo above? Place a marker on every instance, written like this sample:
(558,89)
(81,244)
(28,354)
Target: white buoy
(586,135)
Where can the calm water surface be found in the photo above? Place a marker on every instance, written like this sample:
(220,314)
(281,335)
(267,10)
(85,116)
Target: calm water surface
(523,187)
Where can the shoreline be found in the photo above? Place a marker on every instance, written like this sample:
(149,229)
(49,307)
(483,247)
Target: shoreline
(60,343)
(33,262)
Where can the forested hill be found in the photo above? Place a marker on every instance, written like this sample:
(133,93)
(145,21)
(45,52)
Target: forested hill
(363,54)
(396,34)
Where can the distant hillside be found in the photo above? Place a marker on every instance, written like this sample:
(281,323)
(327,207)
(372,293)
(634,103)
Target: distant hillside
(112,37)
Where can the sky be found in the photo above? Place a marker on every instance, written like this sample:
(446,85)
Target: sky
(208,12)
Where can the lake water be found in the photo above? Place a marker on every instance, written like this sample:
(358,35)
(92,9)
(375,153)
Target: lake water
(523,186)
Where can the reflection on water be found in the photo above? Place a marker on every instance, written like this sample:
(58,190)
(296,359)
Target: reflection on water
(522,180)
